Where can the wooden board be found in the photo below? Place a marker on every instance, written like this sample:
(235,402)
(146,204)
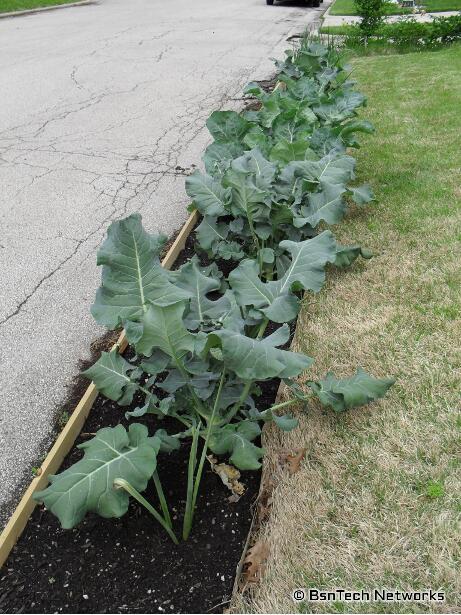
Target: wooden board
(67,437)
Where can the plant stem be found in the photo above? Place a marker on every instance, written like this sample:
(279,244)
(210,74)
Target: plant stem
(120,483)
(253,233)
(198,477)
(286,403)
(187,523)
(247,387)
(198,404)
(205,445)
(161,497)
(182,420)
(262,328)
(260,259)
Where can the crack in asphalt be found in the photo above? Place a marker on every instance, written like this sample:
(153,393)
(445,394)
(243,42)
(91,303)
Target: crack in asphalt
(191,121)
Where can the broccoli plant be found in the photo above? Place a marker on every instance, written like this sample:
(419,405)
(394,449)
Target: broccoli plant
(312,113)
(255,206)
(202,354)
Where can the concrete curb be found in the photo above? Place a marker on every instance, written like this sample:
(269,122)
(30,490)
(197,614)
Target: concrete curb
(42,9)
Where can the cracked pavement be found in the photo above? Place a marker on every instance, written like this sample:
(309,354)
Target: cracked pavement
(101,105)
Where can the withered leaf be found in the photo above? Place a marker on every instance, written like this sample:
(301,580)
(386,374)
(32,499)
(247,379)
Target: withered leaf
(293,459)
(229,476)
(255,562)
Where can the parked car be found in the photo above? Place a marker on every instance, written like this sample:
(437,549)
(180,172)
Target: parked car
(314,3)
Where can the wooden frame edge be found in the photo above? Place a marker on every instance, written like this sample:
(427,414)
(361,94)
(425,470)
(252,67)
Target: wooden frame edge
(73,427)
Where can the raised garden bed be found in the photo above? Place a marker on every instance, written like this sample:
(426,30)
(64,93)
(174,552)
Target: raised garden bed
(208,349)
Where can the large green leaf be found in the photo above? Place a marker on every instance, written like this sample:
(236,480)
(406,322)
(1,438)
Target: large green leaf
(253,163)
(302,176)
(217,156)
(87,486)
(132,275)
(285,151)
(305,89)
(208,194)
(358,390)
(247,198)
(331,169)
(163,329)
(229,250)
(327,205)
(334,169)
(227,126)
(361,194)
(209,231)
(352,126)
(291,127)
(306,271)
(269,111)
(340,108)
(201,309)
(258,359)
(110,375)
(237,439)
(346,255)
(257,137)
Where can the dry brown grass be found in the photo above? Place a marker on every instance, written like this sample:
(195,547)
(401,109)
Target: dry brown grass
(377,500)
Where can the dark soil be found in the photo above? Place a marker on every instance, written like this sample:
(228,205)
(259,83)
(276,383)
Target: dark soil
(130,564)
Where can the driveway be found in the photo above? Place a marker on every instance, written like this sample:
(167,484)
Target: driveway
(102,105)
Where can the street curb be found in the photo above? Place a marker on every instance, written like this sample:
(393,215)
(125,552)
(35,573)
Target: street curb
(42,9)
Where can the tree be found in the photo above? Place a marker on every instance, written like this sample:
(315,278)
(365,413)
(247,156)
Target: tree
(371,12)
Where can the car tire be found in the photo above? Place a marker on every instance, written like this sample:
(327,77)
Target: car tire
(269,2)
(316,4)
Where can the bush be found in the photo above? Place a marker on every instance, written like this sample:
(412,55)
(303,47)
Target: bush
(443,30)
(371,12)
(446,29)
(406,32)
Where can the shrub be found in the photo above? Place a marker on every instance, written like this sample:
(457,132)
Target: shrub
(371,12)
(446,29)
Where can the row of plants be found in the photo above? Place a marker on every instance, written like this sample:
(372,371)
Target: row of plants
(405,33)
(205,341)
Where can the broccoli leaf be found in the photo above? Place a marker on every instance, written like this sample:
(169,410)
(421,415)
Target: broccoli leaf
(87,486)
(132,274)
(346,393)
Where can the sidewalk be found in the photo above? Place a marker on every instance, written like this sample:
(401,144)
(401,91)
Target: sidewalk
(341,20)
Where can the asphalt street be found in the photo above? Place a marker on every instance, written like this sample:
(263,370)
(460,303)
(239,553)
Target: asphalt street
(102,106)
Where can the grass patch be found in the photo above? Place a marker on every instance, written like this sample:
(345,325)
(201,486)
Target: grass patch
(7,6)
(377,500)
(347,7)
(340,30)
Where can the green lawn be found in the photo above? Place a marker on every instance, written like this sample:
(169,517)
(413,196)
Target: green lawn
(7,6)
(377,500)
(347,7)
(341,30)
